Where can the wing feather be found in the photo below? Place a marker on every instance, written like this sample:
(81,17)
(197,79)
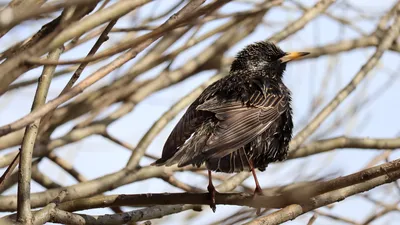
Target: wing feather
(239,124)
(190,121)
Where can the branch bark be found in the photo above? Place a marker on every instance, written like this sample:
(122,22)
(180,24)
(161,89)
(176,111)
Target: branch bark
(28,143)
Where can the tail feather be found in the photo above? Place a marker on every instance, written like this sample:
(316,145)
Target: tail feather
(159,162)
(191,152)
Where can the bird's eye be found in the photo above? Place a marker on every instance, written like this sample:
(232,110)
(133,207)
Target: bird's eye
(269,58)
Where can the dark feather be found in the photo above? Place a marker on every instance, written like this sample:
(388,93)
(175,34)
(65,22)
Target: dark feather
(191,121)
(234,162)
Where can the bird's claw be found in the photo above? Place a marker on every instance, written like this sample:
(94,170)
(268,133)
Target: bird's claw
(258,191)
(212,192)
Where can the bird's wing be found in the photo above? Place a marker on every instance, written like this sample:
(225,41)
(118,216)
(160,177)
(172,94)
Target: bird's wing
(187,125)
(189,122)
(239,124)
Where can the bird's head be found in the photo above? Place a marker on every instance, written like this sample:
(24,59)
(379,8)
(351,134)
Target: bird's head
(264,58)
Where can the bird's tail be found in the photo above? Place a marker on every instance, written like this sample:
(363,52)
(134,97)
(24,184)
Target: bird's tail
(159,162)
(191,152)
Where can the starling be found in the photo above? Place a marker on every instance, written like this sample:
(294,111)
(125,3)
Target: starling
(241,122)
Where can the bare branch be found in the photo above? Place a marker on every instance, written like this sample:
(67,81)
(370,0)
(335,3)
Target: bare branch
(28,142)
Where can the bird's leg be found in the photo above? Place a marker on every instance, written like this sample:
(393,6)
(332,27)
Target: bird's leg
(212,191)
(258,189)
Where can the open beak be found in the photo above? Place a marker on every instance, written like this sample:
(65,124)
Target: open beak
(292,56)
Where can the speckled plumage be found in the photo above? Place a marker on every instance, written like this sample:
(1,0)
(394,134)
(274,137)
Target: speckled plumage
(244,118)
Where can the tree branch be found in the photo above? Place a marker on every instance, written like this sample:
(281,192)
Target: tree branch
(345,142)
(28,143)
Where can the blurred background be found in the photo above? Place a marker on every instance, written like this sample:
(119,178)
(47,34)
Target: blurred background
(96,132)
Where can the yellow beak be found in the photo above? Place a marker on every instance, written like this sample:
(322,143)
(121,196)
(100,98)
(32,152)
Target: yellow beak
(292,56)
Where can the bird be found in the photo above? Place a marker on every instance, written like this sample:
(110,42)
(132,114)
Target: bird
(241,122)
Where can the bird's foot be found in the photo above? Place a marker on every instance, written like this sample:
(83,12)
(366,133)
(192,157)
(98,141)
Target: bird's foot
(212,192)
(258,191)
